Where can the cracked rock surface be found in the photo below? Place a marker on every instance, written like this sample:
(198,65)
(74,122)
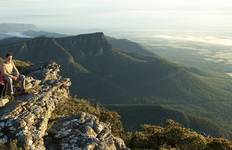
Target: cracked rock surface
(26,118)
(85,132)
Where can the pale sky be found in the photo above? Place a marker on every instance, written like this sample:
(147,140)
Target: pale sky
(123,14)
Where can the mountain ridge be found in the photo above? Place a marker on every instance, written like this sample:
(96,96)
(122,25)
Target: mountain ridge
(47,118)
(92,53)
(104,73)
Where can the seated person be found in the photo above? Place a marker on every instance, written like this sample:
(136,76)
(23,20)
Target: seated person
(11,73)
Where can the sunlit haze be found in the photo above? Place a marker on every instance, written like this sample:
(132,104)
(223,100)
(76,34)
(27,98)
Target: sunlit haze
(68,15)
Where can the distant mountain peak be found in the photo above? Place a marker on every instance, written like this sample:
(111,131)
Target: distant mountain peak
(33,33)
(98,36)
(92,44)
(16,27)
(93,34)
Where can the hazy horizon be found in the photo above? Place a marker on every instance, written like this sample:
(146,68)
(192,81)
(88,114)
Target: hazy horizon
(179,15)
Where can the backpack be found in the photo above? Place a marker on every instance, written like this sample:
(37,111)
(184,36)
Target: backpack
(2,79)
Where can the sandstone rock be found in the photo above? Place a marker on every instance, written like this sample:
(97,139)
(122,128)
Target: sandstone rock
(3,102)
(119,143)
(85,131)
(26,118)
(31,82)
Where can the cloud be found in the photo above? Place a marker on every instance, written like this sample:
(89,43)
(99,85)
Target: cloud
(226,41)
(123,13)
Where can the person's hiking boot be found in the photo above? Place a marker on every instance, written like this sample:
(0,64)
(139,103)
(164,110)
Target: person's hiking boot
(3,101)
(10,97)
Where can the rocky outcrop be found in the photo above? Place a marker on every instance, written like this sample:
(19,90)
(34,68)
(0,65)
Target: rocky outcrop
(85,131)
(26,118)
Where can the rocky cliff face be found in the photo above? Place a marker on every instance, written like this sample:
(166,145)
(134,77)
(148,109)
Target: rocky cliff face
(25,119)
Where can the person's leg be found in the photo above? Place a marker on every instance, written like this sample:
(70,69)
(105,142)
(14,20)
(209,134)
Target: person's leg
(22,82)
(4,90)
(9,85)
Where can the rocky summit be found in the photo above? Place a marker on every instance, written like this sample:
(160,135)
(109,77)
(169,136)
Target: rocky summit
(25,118)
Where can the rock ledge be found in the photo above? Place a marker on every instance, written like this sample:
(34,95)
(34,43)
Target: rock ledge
(26,118)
